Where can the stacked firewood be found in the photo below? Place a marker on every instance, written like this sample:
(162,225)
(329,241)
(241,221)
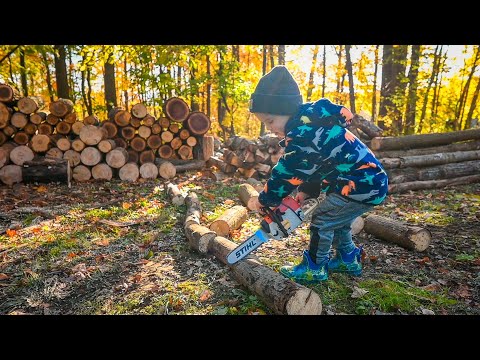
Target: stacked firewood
(248,158)
(126,145)
(429,161)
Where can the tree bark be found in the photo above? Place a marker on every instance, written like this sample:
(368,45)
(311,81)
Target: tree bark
(350,78)
(465,146)
(474,102)
(312,73)
(429,160)
(61,72)
(432,184)
(430,82)
(423,140)
(446,171)
(23,72)
(175,195)
(374,92)
(248,195)
(412,91)
(45,170)
(407,236)
(109,82)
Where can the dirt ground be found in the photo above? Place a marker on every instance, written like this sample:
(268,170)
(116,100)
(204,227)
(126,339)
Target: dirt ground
(117,248)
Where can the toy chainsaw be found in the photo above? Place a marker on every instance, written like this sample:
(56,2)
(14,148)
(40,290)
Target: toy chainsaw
(278,223)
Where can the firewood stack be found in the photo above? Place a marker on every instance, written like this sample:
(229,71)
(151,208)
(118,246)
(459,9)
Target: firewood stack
(125,146)
(248,158)
(429,161)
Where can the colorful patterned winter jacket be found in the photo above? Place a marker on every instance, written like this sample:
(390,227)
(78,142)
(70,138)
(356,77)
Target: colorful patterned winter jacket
(322,155)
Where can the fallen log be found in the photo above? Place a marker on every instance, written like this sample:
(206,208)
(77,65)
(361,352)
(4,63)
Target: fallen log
(45,170)
(422,140)
(11,174)
(429,160)
(175,195)
(368,127)
(358,225)
(397,232)
(248,195)
(465,146)
(230,220)
(447,171)
(183,165)
(280,294)
(258,185)
(198,236)
(432,184)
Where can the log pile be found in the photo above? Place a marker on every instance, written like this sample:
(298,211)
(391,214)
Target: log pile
(127,145)
(248,158)
(429,161)
(255,158)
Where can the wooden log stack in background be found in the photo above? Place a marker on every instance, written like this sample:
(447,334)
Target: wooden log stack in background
(92,145)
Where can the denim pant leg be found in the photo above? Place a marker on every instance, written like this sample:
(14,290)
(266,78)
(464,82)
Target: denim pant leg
(333,217)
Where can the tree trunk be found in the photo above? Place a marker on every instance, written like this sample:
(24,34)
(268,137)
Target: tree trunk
(109,81)
(368,127)
(312,73)
(423,140)
(48,76)
(407,236)
(387,88)
(281,54)
(264,71)
(464,95)
(61,72)
(374,95)
(430,82)
(23,72)
(412,91)
(473,104)
(89,93)
(435,85)
(350,78)
(324,71)
(339,73)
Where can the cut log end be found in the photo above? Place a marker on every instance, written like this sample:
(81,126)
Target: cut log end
(176,109)
(304,302)
(421,240)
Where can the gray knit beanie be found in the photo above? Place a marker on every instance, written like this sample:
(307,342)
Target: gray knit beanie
(276,93)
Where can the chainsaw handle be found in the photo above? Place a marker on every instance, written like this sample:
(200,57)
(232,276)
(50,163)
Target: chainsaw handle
(277,219)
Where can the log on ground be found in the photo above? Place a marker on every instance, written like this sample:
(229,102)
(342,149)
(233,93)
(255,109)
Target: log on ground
(280,294)
(174,194)
(432,184)
(45,170)
(248,195)
(397,232)
(422,140)
(230,220)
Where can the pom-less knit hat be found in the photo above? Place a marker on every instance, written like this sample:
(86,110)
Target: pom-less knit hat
(276,93)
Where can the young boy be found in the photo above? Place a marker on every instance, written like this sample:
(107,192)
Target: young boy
(320,155)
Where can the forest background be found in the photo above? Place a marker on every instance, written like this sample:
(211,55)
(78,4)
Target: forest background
(405,89)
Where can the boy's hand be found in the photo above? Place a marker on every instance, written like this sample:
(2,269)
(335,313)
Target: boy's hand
(300,198)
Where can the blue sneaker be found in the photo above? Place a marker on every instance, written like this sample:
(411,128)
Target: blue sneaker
(307,271)
(350,263)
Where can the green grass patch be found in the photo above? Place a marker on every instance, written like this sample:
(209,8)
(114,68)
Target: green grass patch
(391,296)
(465,257)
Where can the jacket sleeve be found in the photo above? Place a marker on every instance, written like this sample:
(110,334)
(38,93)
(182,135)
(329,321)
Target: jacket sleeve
(291,170)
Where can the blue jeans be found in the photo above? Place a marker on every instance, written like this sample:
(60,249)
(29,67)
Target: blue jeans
(331,224)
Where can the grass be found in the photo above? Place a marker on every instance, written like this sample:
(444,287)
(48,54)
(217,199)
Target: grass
(383,294)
